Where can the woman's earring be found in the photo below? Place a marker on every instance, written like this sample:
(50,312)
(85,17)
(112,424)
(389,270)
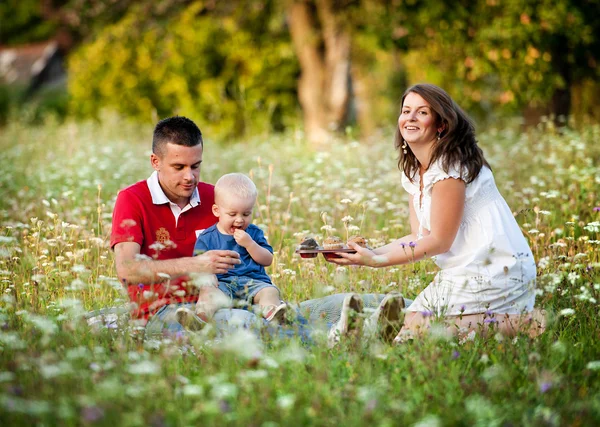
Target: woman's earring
(404,147)
(439,135)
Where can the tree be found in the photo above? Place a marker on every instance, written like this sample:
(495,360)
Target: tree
(233,71)
(23,21)
(519,54)
(322,42)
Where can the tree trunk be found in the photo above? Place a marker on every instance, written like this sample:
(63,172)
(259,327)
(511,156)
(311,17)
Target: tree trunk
(560,104)
(323,50)
(361,100)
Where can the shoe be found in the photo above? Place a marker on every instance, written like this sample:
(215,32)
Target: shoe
(189,319)
(275,313)
(350,323)
(387,320)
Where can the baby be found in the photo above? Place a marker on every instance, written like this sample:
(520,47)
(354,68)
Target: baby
(235,196)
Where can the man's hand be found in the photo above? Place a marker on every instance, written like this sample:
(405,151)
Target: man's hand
(215,262)
(242,238)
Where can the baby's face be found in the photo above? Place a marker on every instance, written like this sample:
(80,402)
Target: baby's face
(233,213)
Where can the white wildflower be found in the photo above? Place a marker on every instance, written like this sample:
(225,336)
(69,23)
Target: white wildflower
(594,366)
(78,268)
(53,371)
(567,312)
(242,343)
(544,262)
(429,420)
(7,376)
(157,246)
(292,353)
(145,367)
(43,324)
(148,295)
(573,277)
(328,228)
(224,390)
(256,374)
(286,401)
(593,226)
(193,390)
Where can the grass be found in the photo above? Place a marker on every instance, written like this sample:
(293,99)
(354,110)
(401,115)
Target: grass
(57,189)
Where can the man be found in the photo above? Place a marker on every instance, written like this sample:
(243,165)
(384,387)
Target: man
(154,228)
(156,222)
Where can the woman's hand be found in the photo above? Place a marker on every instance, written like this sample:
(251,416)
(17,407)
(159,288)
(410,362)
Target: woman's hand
(363,256)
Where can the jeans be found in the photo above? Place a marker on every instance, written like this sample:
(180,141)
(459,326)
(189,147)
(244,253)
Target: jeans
(309,315)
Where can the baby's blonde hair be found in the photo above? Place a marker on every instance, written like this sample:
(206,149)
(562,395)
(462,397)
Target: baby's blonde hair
(236,185)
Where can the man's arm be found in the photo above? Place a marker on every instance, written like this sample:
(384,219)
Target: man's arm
(132,268)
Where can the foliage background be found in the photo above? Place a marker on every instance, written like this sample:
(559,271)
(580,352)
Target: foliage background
(232,67)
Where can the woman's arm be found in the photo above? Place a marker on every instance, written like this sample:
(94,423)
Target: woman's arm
(447,205)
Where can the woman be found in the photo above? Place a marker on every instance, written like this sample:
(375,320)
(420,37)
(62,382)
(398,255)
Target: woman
(458,218)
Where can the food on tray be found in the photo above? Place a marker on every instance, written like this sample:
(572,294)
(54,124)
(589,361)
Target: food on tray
(333,242)
(308,244)
(359,240)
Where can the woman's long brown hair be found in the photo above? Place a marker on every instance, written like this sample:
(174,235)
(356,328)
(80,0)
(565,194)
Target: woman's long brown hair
(457,145)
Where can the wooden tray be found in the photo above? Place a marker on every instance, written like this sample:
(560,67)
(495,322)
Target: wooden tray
(327,253)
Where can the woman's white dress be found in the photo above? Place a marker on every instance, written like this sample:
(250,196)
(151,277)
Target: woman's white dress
(490,266)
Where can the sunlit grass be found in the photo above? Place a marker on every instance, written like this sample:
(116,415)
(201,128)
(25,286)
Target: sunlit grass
(57,189)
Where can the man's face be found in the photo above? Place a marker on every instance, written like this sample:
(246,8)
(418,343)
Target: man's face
(178,170)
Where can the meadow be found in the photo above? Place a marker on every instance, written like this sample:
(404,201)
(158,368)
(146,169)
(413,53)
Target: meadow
(58,184)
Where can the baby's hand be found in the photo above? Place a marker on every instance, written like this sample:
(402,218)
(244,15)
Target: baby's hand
(242,238)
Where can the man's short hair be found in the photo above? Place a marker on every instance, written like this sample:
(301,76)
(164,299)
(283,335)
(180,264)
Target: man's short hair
(176,130)
(236,185)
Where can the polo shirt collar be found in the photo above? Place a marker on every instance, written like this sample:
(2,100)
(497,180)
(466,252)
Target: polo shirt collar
(160,198)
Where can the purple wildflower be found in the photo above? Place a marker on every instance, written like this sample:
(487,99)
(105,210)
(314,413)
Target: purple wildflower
(455,355)
(112,325)
(545,386)
(224,406)
(427,313)
(16,389)
(91,414)
(597,209)
(403,244)
(412,244)
(462,308)
(490,320)
(371,405)
(157,420)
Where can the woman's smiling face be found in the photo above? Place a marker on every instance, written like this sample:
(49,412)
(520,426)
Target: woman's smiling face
(417,122)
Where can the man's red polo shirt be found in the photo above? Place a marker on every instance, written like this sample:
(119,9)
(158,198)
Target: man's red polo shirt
(139,217)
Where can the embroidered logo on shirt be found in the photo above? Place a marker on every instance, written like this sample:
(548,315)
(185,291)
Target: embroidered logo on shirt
(162,235)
